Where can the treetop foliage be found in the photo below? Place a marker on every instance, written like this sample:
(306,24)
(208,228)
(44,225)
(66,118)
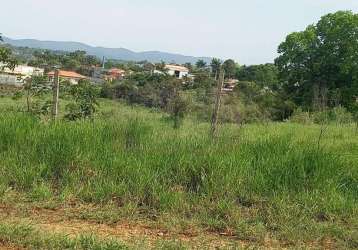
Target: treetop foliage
(316,69)
(6,58)
(319,66)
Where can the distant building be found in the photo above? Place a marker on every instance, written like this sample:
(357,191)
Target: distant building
(115,74)
(70,76)
(230,84)
(18,75)
(158,72)
(25,71)
(177,71)
(97,72)
(100,75)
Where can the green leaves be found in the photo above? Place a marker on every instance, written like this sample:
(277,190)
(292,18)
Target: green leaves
(324,56)
(215,66)
(265,75)
(85,96)
(177,107)
(6,59)
(37,85)
(200,64)
(230,68)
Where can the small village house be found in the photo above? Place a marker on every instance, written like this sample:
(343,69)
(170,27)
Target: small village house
(177,71)
(229,85)
(99,74)
(18,75)
(70,76)
(115,74)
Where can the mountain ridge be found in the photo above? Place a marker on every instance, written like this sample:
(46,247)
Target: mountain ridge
(109,53)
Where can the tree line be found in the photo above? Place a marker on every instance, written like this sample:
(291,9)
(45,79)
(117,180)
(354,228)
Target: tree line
(316,70)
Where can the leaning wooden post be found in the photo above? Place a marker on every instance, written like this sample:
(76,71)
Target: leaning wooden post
(28,97)
(215,116)
(56,91)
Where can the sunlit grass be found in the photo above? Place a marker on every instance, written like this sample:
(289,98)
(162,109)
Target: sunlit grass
(254,179)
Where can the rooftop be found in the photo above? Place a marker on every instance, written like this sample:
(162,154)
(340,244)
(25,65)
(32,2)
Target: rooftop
(20,70)
(116,70)
(176,68)
(68,74)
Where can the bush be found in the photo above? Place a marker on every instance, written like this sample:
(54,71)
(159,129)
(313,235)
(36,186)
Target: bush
(17,95)
(126,90)
(302,117)
(337,115)
(107,91)
(41,108)
(177,108)
(154,91)
(340,115)
(85,95)
(233,110)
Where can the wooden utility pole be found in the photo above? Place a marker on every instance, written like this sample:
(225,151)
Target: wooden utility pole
(28,97)
(56,91)
(214,119)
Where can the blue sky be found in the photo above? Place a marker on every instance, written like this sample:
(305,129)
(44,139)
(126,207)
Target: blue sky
(248,31)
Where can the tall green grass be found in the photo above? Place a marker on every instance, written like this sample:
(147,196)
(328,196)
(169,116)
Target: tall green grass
(23,235)
(255,179)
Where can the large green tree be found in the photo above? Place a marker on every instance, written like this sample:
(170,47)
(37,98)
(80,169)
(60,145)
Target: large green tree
(230,68)
(6,59)
(265,75)
(200,64)
(77,61)
(319,65)
(215,67)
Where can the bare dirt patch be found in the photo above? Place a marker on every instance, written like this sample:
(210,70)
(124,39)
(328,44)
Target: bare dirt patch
(8,246)
(63,221)
(56,221)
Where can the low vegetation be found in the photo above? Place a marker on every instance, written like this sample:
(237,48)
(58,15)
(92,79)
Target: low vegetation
(280,172)
(251,182)
(25,235)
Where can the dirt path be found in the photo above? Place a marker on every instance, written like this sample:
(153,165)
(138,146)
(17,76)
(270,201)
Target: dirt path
(3,247)
(64,221)
(56,221)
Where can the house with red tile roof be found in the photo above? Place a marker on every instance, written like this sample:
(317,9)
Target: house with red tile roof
(70,76)
(115,74)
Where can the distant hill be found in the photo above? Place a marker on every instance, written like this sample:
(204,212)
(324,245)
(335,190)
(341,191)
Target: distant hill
(109,53)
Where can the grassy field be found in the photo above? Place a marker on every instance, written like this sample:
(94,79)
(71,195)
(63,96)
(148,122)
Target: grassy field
(263,185)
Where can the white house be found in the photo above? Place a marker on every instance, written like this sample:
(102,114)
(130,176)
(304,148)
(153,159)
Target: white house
(18,74)
(177,71)
(229,85)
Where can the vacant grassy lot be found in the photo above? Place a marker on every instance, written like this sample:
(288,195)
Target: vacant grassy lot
(266,185)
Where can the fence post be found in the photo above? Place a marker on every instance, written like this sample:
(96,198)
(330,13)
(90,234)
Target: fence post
(56,91)
(214,120)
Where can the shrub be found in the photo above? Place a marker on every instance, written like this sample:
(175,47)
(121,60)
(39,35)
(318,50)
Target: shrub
(340,115)
(17,95)
(41,108)
(107,91)
(177,108)
(37,86)
(337,115)
(85,96)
